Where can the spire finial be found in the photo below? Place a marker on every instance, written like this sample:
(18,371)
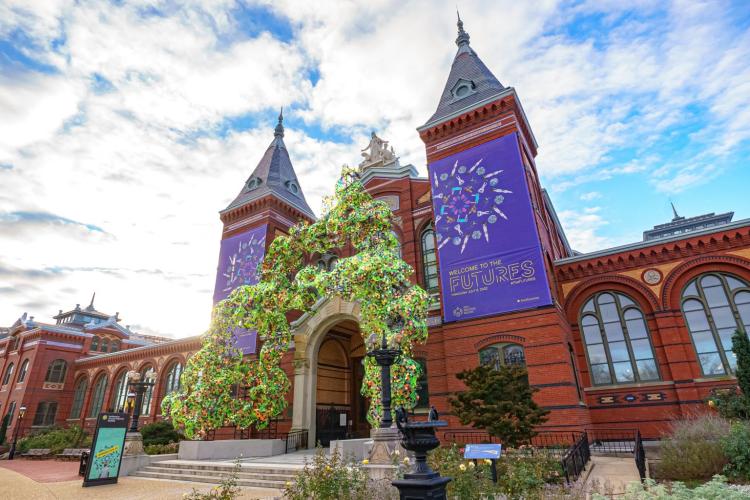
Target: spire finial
(92,300)
(279,130)
(674,211)
(463,37)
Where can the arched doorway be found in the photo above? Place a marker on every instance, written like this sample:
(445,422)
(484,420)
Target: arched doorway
(340,409)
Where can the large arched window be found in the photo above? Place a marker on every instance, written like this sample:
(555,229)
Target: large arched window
(498,355)
(617,340)
(56,371)
(97,396)
(146,406)
(715,305)
(398,240)
(120,392)
(24,370)
(95,343)
(429,260)
(78,395)
(172,380)
(104,345)
(8,374)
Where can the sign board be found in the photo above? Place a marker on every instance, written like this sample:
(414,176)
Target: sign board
(239,258)
(342,419)
(106,450)
(488,246)
(480,451)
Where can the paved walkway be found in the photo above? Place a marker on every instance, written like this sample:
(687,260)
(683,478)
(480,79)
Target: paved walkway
(41,480)
(611,475)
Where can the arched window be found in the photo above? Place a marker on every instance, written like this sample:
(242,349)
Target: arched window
(498,355)
(97,396)
(56,371)
(24,370)
(714,306)
(617,340)
(120,392)
(115,346)
(104,345)
(11,411)
(95,343)
(429,260)
(8,374)
(45,414)
(146,406)
(78,395)
(172,380)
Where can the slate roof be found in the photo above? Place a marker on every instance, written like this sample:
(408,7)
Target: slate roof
(274,175)
(466,66)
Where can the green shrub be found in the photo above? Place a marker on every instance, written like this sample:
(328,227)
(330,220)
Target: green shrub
(330,478)
(716,489)
(694,449)
(730,404)
(469,481)
(159,433)
(162,449)
(54,438)
(736,446)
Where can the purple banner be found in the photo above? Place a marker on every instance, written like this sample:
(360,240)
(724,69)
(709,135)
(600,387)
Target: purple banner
(239,258)
(490,256)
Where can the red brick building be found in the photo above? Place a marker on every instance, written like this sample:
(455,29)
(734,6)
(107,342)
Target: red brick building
(635,336)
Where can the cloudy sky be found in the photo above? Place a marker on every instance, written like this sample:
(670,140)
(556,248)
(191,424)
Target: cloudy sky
(126,126)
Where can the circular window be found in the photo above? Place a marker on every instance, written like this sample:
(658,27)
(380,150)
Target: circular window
(462,91)
(293,188)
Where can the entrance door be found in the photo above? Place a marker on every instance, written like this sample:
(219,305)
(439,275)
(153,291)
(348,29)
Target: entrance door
(332,411)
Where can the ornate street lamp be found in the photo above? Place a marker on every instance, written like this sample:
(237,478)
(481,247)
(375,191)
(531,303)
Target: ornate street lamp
(385,357)
(21,413)
(138,389)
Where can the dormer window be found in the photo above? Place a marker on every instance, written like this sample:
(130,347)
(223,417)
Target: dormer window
(253,183)
(292,187)
(463,88)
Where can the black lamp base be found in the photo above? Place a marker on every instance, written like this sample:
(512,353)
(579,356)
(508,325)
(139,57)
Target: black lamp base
(416,489)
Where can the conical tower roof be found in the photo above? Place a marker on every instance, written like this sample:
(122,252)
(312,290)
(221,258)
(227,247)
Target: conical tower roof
(469,81)
(274,175)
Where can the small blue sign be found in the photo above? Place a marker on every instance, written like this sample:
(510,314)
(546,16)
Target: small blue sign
(491,451)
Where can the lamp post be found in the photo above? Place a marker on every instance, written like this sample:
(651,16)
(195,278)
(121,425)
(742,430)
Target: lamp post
(385,357)
(139,388)
(21,413)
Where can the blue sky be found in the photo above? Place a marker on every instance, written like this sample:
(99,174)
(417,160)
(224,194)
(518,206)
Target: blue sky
(126,126)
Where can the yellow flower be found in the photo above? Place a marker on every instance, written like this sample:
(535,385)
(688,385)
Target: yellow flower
(396,452)
(711,403)
(406,460)
(471,464)
(328,468)
(462,467)
(365,461)
(488,461)
(288,484)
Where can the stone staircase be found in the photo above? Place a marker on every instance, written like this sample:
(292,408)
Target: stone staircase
(250,474)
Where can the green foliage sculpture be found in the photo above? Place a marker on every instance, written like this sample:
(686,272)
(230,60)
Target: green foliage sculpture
(374,276)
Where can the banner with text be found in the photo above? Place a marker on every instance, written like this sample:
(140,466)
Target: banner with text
(488,247)
(239,259)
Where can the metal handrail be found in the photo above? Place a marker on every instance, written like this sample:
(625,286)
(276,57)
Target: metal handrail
(296,440)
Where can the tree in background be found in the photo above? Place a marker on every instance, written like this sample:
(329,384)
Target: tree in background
(729,402)
(500,401)
(4,427)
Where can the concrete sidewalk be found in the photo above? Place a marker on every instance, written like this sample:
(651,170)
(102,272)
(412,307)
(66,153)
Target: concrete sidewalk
(16,486)
(611,475)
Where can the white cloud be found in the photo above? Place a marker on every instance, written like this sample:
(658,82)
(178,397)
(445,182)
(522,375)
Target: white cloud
(581,229)
(590,196)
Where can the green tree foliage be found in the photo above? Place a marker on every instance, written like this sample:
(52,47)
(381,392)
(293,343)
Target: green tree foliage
(4,427)
(159,433)
(499,401)
(375,277)
(729,402)
(741,348)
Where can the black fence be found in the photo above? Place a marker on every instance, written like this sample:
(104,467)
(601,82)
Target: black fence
(570,448)
(296,440)
(619,442)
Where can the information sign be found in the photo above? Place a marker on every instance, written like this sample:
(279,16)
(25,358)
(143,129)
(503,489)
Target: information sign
(480,451)
(106,450)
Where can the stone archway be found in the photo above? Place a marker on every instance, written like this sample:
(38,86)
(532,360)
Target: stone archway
(310,331)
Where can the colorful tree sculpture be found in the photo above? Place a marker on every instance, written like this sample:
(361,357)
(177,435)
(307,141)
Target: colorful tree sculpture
(375,277)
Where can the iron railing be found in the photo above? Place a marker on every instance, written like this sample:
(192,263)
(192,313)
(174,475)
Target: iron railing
(619,442)
(569,447)
(296,440)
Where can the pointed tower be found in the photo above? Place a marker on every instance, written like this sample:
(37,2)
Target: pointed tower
(269,202)
(496,233)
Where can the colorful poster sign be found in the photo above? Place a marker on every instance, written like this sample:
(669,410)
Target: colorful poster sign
(488,247)
(239,259)
(103,465)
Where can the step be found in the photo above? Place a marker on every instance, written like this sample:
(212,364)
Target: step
(228,467)
(176,476)
(270,476)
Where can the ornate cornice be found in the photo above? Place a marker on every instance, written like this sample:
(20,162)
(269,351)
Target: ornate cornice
(654,253)
(141,353)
